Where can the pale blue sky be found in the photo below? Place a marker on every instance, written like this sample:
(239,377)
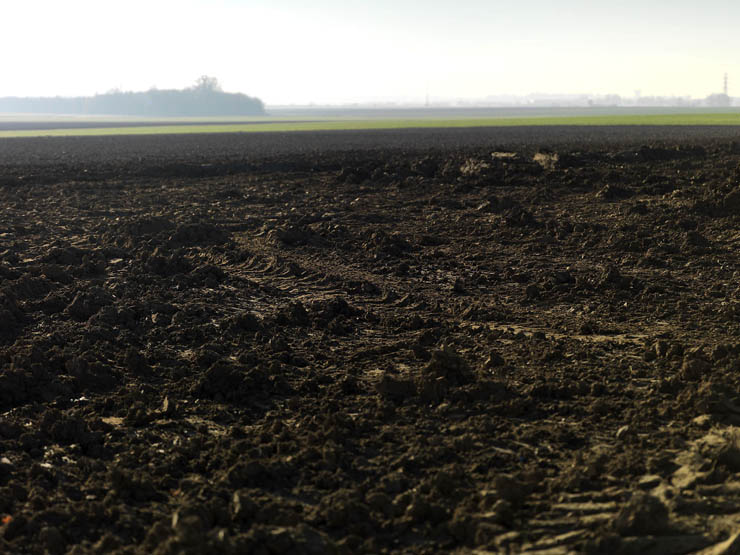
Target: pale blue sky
(331,51)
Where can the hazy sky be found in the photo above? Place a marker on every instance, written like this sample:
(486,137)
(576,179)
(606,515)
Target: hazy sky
(333,51)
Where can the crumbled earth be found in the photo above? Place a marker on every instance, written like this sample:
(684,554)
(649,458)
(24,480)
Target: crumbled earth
(499,344)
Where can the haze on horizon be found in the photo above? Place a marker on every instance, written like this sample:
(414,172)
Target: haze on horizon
(344,51)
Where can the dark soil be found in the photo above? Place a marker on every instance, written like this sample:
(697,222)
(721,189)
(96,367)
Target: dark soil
(420,342)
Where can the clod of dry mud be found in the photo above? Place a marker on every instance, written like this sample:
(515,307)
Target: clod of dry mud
(502,348)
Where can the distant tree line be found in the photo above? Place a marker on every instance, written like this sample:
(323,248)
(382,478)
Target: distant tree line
(205,98)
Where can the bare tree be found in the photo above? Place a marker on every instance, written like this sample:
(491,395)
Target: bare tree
(207,84)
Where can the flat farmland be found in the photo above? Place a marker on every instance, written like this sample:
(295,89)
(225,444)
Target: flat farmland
(356,119)
(502,339)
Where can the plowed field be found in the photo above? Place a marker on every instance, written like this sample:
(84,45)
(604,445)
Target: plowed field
(512,340)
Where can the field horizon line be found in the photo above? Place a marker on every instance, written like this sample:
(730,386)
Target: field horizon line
(333,124)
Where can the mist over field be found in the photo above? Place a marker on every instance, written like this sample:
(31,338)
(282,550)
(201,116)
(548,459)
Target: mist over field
(330,52)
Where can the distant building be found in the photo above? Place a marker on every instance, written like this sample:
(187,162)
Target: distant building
(718,100)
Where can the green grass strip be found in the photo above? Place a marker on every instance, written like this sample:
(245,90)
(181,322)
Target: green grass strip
(727,118)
